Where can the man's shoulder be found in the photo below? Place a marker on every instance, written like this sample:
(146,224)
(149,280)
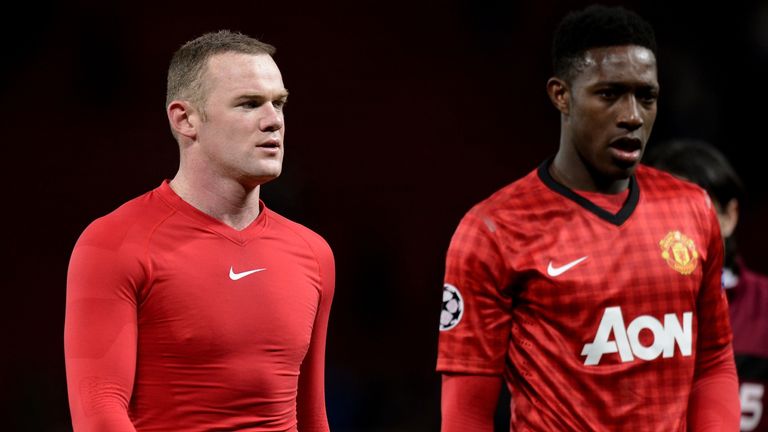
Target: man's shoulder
(755,280)
(297,230)
(659,185)
(513,195)
(136,218)
(512,207)
(657,181)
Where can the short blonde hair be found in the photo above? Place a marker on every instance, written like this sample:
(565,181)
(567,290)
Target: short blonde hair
(188,63)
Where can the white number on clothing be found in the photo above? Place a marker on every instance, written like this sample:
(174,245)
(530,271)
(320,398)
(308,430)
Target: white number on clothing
(751,396)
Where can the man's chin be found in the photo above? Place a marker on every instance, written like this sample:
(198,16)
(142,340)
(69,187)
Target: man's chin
(624,169)
(260,179)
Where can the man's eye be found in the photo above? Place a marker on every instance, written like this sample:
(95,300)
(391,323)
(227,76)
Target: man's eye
(647,97)
(607,93)
(249,105)
(279,104)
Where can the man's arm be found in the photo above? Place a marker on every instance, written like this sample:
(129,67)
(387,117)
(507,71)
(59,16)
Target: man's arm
(99,339)
(714,402)
(468,402)
(472,350)
(310,404)
(713,405)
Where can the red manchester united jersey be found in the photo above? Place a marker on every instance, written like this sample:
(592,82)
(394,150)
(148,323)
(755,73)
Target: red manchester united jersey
(177,322)
(597,320)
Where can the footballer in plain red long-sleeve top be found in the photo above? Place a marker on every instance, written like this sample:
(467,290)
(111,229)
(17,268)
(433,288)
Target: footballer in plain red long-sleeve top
(176,321)
(194,307)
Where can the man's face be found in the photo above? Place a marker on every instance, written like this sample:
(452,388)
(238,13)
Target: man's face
(612,109)
(243,130)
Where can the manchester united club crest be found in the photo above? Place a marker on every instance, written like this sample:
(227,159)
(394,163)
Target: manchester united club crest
(679,252)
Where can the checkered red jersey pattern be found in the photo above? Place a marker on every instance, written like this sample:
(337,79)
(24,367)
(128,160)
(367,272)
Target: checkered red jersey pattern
(532,306)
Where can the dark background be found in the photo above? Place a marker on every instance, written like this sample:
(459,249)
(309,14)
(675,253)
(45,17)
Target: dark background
(403,114)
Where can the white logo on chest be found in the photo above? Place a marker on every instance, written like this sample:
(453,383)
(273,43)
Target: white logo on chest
(553,271)
(235,276)
(626,340)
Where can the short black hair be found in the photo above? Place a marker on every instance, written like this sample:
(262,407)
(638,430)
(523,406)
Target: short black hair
(594,27)
(701,163)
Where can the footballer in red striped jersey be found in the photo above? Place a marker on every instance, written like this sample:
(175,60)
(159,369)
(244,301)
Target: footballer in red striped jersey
(591,287)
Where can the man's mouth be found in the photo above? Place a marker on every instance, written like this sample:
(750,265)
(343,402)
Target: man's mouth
(627,149)
(628,144)
(270,144)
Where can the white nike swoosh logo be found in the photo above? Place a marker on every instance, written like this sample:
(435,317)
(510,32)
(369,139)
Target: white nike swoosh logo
(557,271)
(236,276)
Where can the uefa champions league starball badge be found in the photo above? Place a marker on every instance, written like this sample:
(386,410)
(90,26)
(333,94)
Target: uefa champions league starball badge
(453,308)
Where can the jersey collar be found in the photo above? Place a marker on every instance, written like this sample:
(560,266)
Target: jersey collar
(616,219)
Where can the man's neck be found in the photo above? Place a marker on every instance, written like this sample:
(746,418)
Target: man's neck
(572,172)
(227,200)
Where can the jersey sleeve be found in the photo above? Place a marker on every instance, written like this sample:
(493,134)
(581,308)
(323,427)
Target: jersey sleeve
(100,330)
(310,405)
(475,318)
(468,402)
(714,400)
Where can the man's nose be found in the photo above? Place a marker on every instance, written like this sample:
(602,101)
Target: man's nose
(630,116)
(271,119)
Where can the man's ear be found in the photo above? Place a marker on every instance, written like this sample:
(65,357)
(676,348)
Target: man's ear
(560,94)
(183,118)
(729,217)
